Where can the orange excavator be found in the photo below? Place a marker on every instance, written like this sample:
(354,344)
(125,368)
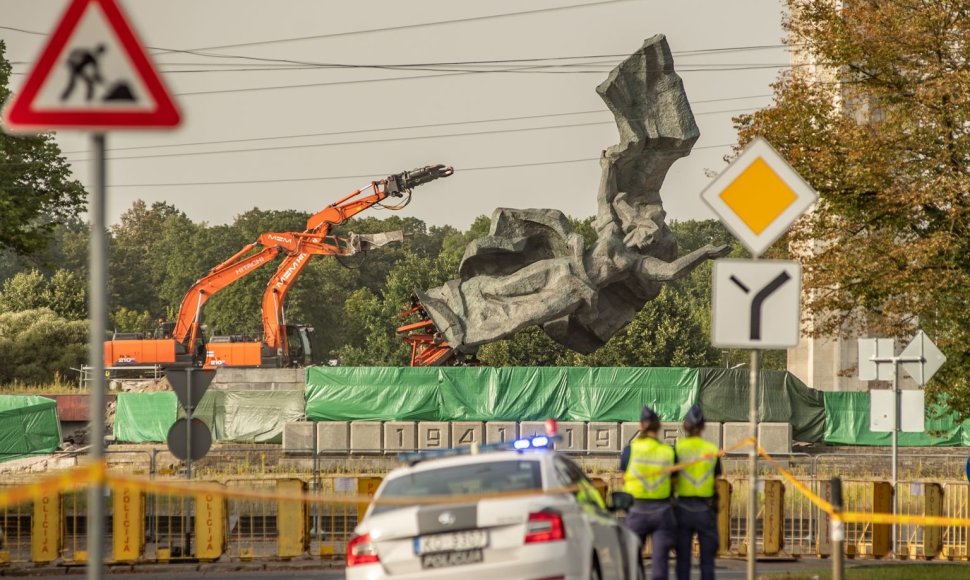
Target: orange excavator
(428,346)
(180,343)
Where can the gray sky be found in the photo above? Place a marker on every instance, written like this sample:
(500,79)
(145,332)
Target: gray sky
(727,52)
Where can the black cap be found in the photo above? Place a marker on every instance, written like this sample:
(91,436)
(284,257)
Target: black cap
(647,415)
(694,417)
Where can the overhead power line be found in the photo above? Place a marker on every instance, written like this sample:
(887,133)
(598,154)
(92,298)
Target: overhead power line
(383,140)
(403,127)
(368,175)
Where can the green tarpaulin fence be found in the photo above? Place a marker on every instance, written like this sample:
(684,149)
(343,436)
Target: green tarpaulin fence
(569,394)
(28,426)
(847,423)
(232,416)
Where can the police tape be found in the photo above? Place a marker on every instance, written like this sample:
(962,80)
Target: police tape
(861,517)
(72,479)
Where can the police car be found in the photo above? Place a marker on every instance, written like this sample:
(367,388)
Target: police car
(539,518)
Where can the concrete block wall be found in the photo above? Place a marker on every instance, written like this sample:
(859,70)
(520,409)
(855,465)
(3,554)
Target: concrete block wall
(594,438)
(772,437)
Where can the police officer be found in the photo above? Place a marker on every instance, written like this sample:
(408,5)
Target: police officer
(647,478)
(696,509)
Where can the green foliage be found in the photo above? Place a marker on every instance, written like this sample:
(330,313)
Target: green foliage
(125,320)
(885,141)
(37,190)
(64,292)
(38,345)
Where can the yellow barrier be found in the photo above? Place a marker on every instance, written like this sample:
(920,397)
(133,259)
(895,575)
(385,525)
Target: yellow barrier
(45,524)
(128,523)
(366,487)
(774,517)
(291,520)
(256,511)
(210,527)
(723,488)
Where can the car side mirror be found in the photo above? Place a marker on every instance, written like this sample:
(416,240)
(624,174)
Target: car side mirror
(620,501)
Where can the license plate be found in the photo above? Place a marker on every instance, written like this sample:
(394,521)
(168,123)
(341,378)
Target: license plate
(446,559)
(451,542)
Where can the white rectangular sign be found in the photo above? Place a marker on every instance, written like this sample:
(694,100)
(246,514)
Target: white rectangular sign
(912,411)
(881,348)
(756,303)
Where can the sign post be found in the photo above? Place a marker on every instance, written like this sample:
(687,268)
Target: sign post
(93,75)
(189,438)
(921,359)
(756,303)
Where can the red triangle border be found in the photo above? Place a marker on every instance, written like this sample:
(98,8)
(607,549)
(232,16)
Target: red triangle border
(20,114)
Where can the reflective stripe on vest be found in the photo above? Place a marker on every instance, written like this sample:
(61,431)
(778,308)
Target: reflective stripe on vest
(696,480)
(645,476)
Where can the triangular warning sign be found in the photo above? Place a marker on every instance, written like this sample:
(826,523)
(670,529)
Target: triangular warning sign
(93,74)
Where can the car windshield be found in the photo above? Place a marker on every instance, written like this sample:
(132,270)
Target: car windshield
(478,478)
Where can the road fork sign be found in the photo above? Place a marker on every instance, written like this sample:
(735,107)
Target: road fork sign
(756,303)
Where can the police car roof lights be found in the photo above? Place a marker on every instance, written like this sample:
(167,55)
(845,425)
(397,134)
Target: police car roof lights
(537,442)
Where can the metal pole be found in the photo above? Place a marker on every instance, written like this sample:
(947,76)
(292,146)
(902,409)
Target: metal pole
(895,447)
(753,480)
(98,310)
(838,530)
(188,460)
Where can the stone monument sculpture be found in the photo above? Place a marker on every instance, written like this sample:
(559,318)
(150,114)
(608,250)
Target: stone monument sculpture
(533,270)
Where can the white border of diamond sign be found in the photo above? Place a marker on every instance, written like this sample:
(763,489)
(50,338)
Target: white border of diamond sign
(805,196)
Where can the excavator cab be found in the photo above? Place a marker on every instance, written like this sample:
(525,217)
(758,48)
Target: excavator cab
(298,343)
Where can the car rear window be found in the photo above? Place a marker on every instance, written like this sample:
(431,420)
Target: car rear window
(478,478)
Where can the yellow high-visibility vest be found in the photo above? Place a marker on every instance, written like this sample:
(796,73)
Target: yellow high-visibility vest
(696,480)
(646,476)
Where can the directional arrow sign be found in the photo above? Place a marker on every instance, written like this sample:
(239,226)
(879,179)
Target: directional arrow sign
(756,303)
(933,359)
(179,379)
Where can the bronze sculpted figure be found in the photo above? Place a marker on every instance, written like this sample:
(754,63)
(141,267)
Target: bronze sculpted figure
(532,269)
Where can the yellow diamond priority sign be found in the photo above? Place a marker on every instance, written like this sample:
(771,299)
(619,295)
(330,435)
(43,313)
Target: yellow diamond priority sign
(758,196)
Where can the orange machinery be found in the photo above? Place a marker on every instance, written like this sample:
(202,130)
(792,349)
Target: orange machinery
(181,343)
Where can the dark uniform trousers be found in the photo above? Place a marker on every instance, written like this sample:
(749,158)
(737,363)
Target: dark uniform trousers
(654,519)
(696,516)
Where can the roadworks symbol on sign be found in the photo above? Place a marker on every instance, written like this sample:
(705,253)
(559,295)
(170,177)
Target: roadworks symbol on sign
(93,73)
(758,196)
(756,303)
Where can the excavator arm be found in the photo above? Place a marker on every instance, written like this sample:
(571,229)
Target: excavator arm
(320,224)
(241,264)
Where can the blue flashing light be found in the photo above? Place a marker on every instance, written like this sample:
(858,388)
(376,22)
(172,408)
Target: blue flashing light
(537,442)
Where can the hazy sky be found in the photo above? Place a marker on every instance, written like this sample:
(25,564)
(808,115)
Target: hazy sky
(299,136)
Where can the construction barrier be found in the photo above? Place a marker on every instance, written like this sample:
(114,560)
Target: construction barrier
(257,517)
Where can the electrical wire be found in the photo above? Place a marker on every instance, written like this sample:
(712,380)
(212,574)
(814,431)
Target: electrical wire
(380,140)
(368,175)
(402,127)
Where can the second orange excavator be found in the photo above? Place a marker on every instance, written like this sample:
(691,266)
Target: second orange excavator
(180,343)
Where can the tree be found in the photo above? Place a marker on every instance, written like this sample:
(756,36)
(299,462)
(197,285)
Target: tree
(63,292)
(37,346)
(886,142)
(37,190)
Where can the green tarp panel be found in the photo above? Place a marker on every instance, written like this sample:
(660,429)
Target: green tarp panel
(496,394)
(144,417)
(28,426)
(618,394)
(782,398)
(232,416)
(847,423)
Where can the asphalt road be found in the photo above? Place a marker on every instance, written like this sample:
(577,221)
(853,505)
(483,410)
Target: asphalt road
(726,570)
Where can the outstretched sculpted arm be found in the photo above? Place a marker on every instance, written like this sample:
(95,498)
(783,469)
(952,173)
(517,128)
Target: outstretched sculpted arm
(650,269)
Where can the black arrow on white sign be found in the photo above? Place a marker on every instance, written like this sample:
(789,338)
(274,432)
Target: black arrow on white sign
(759,299)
